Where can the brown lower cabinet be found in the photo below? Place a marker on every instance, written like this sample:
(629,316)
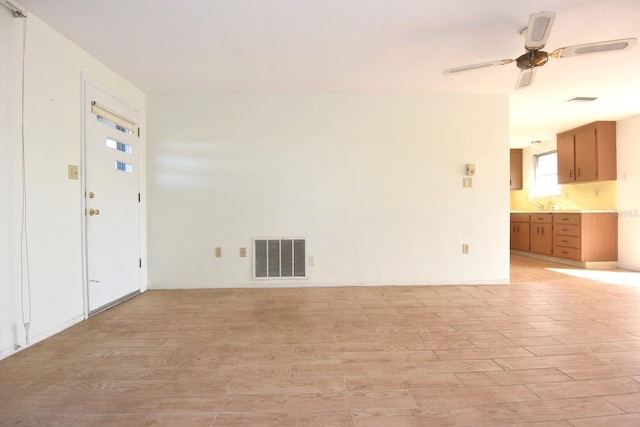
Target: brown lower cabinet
(586,237)
(519,235)
(583,237)
(541,234)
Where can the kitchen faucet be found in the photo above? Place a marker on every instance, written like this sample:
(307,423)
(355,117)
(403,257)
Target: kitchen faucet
(537,205)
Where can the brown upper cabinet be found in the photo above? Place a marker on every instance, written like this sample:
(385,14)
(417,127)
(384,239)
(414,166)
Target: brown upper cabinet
(587,153)
(515,180)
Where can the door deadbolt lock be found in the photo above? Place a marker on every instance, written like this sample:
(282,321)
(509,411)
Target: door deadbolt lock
(93,212)
(91,195)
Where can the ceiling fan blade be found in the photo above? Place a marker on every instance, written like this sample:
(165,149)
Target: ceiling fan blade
(589,48)
(476,66)
(526,77)
(538,29)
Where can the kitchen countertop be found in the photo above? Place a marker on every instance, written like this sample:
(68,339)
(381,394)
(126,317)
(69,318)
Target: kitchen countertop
(567,211)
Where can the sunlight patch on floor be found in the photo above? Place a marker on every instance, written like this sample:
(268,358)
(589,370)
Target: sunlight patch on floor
(619,277)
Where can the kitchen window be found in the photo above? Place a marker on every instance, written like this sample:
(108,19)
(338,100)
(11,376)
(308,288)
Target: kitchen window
(546,175)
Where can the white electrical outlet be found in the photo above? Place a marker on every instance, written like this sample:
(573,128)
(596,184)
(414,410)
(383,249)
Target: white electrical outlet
(465,248)
(467,182)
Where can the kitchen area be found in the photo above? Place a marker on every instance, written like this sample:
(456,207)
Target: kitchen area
(567,214)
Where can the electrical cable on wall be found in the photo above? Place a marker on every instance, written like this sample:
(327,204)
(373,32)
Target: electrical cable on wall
(25,279)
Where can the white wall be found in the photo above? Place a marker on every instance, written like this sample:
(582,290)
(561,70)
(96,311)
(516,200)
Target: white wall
(374,182)
(53,102)
(628,140)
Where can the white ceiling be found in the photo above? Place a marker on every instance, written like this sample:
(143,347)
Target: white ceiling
(363,46)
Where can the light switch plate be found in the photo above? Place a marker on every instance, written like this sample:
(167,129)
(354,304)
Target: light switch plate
(243,252)
(218,252)
(72,171)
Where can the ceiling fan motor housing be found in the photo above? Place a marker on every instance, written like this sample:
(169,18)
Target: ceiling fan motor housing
(532,59)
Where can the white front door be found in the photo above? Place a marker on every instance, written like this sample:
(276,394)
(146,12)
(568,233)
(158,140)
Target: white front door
(112,181)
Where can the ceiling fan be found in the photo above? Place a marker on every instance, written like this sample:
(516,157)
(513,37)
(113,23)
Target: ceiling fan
(536,35)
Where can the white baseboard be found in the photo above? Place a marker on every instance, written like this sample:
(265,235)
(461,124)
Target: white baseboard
(18,347)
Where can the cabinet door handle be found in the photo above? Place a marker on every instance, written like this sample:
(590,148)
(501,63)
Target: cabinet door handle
(543,231)
(570,173)
(565,219)
(578,171)
(537,230)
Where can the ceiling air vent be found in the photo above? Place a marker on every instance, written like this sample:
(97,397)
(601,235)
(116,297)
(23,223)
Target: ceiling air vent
(582,99)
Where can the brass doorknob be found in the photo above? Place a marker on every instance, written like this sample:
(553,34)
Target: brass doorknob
(93,212)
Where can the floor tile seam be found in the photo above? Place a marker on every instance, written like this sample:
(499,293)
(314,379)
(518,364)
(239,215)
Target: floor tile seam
(561,368)
(133,413)
(29,412)
(528,387)
(623,413)
(618,406)
(353,417)
(591,352)
(350,392)
(413,399)
(561,400)
(482,408)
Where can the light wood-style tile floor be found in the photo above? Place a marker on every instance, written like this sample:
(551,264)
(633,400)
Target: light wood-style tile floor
(548,350)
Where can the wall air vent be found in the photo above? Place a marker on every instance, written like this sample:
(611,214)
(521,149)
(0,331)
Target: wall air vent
(582,99)
(279,258)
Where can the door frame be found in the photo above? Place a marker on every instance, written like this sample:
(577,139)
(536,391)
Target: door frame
(85,80)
